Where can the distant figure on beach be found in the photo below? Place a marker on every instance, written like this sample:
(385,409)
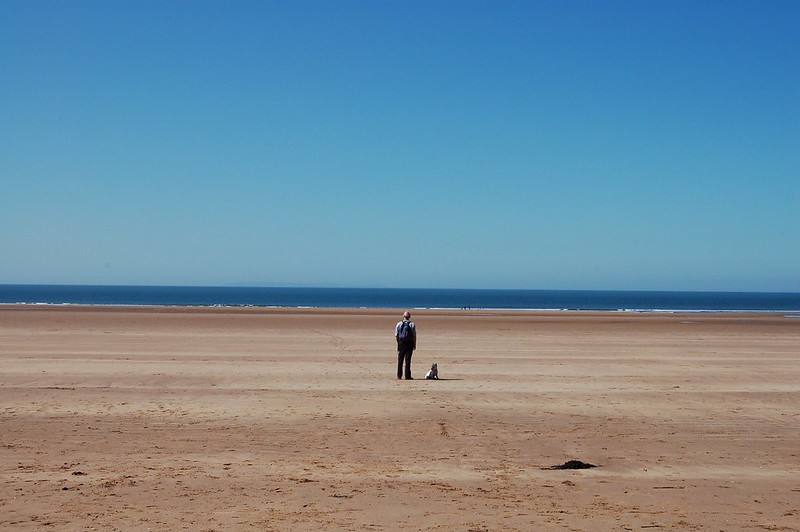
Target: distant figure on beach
(406,334)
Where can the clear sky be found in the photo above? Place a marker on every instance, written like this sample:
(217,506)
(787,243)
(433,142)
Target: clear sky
(472,144)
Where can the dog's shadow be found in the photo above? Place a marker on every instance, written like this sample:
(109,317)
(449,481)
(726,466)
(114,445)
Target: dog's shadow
(444,379)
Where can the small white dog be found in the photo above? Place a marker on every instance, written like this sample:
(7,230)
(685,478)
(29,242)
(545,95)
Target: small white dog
(433,373)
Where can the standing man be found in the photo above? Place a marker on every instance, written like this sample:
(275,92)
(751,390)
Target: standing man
(406,334)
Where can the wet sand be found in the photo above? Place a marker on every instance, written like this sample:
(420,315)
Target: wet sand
(276,419)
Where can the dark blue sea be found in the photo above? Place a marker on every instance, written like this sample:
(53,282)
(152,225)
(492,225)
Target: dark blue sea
(400,298)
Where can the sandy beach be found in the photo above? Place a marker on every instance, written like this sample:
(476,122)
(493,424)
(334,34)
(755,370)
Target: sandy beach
(277,419)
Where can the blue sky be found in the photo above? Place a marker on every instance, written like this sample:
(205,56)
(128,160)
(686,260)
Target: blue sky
(472,144)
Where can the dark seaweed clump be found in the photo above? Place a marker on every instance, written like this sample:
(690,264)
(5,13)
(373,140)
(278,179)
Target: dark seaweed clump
(572,464)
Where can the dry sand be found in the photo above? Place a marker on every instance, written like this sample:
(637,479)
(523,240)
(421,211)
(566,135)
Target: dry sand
(267,419)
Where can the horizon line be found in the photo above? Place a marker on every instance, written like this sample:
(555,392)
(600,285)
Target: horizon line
(378,287)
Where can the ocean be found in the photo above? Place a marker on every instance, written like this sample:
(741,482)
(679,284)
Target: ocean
(401,298)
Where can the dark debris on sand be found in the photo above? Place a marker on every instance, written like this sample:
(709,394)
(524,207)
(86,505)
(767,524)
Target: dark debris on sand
(571,464)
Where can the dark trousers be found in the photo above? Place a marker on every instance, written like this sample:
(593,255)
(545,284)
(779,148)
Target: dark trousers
(404,353)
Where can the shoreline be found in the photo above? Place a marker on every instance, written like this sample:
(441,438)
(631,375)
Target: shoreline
(458,311)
